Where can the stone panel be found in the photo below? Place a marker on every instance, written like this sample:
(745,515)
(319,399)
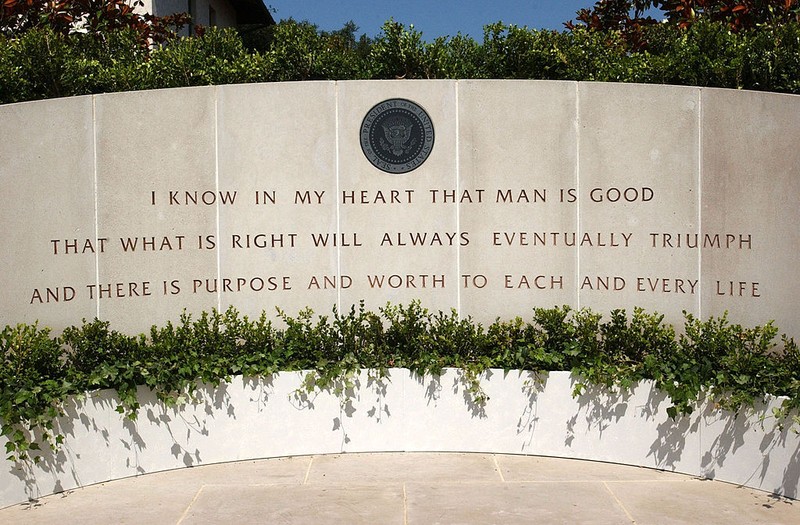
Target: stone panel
(638,180)
(751,179)
(48,244)
(387,254)
(279,146)
(517,157)
(156,147)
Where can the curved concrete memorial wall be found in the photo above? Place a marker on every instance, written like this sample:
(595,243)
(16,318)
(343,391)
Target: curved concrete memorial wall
(491,197)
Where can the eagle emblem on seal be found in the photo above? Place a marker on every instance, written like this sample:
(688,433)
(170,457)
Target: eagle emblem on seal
(398,136)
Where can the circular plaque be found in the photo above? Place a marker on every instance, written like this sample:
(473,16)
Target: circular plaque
(397,136)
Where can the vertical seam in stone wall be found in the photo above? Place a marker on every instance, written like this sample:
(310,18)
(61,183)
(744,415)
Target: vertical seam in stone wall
(336,197)
(216,187)
(96,204)
(458,193)
(699,201)
(578,189)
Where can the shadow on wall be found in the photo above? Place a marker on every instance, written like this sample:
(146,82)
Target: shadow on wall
(724,438)
(349,390)
(206,427)
(533,384)
(773,446)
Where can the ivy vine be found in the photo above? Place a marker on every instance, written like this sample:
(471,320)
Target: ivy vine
(731,365)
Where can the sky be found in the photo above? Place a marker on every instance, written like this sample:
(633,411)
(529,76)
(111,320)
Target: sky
(433,18)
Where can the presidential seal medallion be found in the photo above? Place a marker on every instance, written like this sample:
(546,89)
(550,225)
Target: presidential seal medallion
(397,136)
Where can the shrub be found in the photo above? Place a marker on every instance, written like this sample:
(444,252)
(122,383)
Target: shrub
(216,57)
(41,63)
(12,85)
(398,53)
(299,51)
(33,385)
(732,365)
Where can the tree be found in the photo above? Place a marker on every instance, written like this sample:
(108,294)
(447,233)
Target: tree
(93,17)
(617,15)
(624,16)
(737,14)
(628,16)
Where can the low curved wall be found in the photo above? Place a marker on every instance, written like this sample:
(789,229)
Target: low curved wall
(525,414)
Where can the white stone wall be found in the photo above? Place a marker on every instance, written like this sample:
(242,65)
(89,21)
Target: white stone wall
(146,7)
(518,168)
(168,7)
(525,414)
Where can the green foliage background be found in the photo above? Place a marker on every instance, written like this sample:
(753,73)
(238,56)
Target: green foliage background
(43,64)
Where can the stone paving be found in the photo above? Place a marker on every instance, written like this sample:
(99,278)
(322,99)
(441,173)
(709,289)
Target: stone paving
(410,488)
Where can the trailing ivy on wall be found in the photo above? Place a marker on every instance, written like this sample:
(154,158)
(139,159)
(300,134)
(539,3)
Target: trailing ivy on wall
(732,365)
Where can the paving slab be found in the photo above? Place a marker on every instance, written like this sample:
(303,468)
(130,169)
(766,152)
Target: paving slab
(702,501)
(546,469)
(162,497)
(409,489)
(393,468)
(301,505)
(587,503)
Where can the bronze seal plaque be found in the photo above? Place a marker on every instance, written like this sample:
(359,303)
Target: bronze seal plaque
(397,136)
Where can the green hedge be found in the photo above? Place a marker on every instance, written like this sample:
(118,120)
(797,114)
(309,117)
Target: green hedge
(41,64)
(733,365)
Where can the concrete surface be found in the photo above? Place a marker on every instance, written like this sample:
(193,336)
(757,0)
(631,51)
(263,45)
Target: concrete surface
(536,194)
(420,488)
